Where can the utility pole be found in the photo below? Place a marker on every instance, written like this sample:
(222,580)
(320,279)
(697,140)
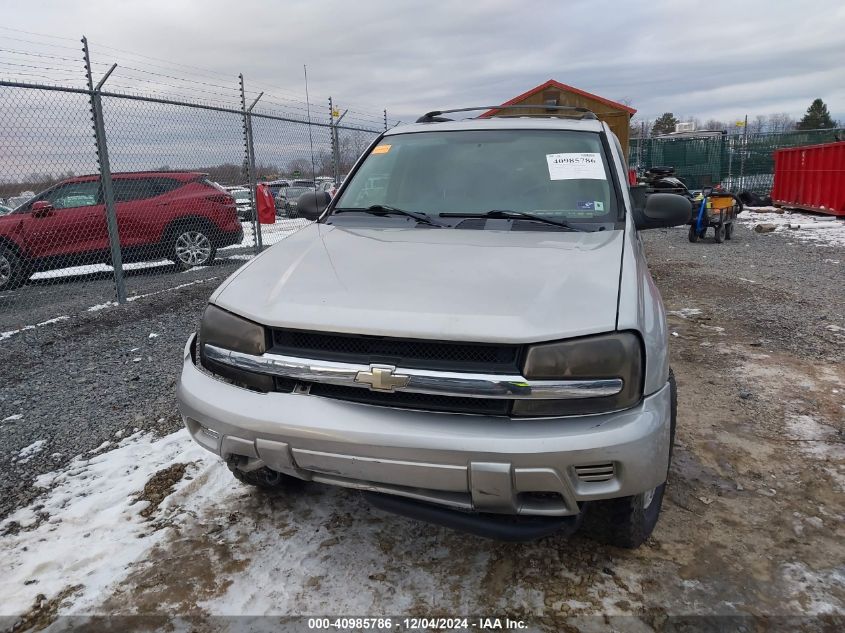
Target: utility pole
(336,140)
(333,133)
(640,146)
(250,163)
(385,119)
(744,151)
(105,171)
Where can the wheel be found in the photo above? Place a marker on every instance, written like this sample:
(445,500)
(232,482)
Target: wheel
(719,234)
(13,272)
(263,478)
(192,246)
(729,230)
(629,521)
(693,234)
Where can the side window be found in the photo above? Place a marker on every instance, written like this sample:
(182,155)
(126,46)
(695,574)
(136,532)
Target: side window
(128,189)
(75,194)
(165,185)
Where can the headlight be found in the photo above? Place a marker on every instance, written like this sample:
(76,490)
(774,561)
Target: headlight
(617,355)
(226,330)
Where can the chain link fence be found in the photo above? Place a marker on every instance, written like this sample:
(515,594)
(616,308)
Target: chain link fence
(108,196)
(737,162)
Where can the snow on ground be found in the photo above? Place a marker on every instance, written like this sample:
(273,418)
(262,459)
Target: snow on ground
(27,452)
(815,586)
(93,530)
(89,530)
(684,313)
(214,546)
(809,224)
(270,233)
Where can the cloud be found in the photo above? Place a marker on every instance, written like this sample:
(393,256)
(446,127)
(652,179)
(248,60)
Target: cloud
(412,56)
(720,59)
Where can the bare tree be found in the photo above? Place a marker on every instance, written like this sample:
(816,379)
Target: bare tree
(351,145)
(714,125)
(758,124)
(780,123)
(301,165)
(639,128)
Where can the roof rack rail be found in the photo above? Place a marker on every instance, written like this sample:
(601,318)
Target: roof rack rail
(435,115)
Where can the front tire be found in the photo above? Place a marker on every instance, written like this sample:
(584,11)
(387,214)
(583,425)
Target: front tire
(263,478)
(629,521)
(720,233)
(693,233)
(192,246)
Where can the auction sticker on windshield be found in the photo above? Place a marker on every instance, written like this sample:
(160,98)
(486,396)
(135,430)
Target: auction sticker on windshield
(381,149)
(576,166)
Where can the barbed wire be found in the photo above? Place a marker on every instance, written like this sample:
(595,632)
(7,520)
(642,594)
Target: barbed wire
(55,37)
(161,73)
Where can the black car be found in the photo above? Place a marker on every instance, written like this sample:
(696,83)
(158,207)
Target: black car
(287,199)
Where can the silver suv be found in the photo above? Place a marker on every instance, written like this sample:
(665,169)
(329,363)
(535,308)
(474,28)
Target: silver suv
(468,333)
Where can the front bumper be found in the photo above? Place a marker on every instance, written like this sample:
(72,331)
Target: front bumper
(475,463)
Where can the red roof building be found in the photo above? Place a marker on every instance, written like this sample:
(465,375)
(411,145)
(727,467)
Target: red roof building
(616,115)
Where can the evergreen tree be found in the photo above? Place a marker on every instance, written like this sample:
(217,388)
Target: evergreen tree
(817,117)
(664,124)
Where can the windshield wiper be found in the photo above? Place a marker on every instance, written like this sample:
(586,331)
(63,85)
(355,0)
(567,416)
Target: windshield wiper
(499,214)
(384,209)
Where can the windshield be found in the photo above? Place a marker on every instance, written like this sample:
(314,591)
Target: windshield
(559,174)
(294,192)
(241,194)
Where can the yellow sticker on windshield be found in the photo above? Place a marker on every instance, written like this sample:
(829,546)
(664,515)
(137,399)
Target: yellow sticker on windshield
(381,149)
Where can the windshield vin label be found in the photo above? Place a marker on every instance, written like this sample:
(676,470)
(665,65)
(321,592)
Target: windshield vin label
(575,166)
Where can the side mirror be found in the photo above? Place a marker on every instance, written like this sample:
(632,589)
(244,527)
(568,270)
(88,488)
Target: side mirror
(662,210)
(311,205)
(41,209)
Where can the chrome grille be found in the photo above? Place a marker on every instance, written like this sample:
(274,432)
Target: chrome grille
(421,354)
(405,400)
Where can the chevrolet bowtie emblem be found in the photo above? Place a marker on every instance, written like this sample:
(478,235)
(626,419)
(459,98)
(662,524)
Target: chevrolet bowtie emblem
(382,378)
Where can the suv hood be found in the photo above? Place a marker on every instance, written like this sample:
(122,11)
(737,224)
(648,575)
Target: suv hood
(448,284)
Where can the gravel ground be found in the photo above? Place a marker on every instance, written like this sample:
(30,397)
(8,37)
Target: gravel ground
(77,382)
(752,523)
(784,290)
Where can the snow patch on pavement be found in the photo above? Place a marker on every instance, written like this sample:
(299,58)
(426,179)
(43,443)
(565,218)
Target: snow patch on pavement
(816,587)
(93,530)
(317,552)
(825,230)
(28,452)
(815,439)
(684,313)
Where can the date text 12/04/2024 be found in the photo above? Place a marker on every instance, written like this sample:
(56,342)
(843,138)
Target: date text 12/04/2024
(417,623)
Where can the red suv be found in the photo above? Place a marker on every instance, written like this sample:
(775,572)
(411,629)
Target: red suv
(176,215)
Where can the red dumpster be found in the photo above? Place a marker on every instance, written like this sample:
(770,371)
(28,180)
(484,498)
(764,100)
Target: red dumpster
(811,177)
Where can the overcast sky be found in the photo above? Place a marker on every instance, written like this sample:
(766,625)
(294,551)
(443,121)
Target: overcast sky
(718,59)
